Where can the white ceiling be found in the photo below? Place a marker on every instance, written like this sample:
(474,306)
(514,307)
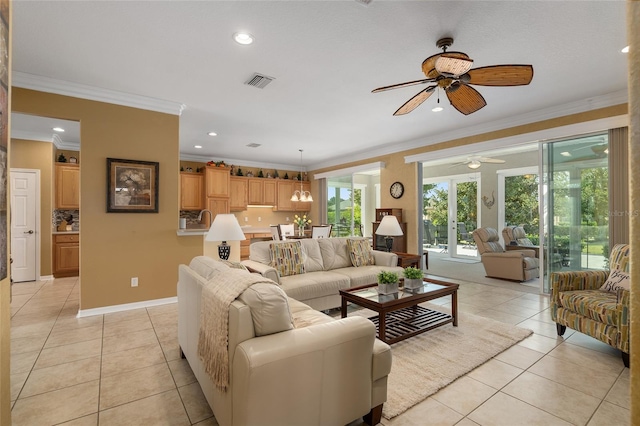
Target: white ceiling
(326,57)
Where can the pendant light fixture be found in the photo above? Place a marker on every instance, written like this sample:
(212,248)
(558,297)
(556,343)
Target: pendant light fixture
(301,195)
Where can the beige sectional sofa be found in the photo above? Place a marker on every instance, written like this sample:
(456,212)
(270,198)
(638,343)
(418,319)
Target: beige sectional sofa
(303,368)
(327,268)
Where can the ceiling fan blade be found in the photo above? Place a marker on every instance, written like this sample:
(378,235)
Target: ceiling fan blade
(466,99)
(491,160)
(407,84)
(414,102)
(501,75)
(448,65)
(462,163)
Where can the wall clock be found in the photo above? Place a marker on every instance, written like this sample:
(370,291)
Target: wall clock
(396,189)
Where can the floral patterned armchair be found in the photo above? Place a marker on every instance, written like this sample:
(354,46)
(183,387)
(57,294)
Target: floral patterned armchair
(578,302)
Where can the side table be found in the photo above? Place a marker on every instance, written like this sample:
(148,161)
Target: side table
(408,259)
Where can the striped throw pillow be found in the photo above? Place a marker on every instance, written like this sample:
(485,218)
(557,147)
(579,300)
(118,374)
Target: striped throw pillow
(287,258)
(360,252)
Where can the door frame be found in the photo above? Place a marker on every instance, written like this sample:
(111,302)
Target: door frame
(38,233)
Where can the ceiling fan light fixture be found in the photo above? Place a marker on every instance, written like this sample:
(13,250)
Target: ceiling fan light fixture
(437,109)
(474,164)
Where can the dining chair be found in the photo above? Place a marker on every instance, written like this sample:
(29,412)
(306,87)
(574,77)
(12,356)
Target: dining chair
(275,232)
(320,231)
(286,230)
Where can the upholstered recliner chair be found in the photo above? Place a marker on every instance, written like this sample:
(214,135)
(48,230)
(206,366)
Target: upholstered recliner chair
(515,265)
(578,302)
(516,236)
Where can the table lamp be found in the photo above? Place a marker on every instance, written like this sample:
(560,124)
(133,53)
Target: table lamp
(389,227)
(225,227)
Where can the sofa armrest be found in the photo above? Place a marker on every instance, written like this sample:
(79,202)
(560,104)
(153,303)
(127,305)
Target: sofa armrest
(572,281)
(513,254)
(384,258)
(323,369)
(262,269)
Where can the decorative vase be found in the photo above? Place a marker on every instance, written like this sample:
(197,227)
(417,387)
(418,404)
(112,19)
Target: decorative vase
(301,231)
(413,283)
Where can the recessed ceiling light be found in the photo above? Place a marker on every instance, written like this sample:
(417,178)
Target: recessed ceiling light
(243,38)
(197,146)
(565,154)
(625,49)
(58,129)
(212,134)
(437,109)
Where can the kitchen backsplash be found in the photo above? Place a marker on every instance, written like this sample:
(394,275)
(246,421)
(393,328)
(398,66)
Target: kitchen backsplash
(71,216)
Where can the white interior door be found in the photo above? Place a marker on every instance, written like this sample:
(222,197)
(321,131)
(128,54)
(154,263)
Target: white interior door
(24,225)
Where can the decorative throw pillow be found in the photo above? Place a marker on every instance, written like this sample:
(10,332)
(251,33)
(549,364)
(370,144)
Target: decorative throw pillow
(360,252)
(617,279)
(287,258)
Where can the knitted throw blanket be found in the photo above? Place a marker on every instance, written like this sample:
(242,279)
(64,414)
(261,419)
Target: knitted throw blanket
(213,337)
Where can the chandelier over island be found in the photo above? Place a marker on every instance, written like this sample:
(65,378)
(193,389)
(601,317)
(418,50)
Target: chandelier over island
(301,194)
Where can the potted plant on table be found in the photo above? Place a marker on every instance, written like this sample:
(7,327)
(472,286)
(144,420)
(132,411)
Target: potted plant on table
(412,278)
(387,282)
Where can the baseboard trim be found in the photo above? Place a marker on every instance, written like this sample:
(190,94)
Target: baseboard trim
(125,307)
(45,278)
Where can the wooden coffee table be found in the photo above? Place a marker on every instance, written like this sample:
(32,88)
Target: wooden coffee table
(399,316)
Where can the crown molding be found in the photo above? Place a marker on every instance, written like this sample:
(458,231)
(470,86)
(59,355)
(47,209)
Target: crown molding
(29,136)
(588,104)
(67,88)
(243,163)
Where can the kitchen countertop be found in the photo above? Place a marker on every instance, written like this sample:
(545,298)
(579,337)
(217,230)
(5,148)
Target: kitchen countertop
(199,231)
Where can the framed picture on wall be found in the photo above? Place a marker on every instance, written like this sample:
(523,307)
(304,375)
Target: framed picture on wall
(132,186)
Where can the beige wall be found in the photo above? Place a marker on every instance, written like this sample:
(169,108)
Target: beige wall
(117,246)
(27,154)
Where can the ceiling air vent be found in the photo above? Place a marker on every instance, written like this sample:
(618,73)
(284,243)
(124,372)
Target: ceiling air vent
(254,145)
(259,80)
(364,2)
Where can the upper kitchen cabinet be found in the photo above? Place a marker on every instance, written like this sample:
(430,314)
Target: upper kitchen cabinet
(67,186)
(217,182)
(262,192)
(191,191)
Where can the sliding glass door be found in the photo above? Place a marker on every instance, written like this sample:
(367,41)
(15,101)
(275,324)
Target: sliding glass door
(351,203)
(576,174)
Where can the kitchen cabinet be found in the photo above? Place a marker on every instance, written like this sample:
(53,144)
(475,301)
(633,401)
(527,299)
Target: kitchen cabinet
(262,192)
(218,181)
(191,191)
(66,255)
(285,189)
(67,186)
(239,190)
(216,206)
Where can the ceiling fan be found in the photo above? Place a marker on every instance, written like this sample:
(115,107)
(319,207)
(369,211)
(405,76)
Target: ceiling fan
(475,161)
(451,72)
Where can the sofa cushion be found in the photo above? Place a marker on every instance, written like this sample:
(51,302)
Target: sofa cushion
(360,252)
(365,274)
(269,308)
(261,252)
(617,279)
(314,284)
(206,266)
(334,253)
(595,304)
(286,258)
(311,255)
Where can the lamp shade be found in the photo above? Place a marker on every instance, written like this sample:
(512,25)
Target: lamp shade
(389,226)
(225,227)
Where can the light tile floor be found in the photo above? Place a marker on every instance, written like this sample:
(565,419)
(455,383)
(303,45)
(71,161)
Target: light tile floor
(125,368)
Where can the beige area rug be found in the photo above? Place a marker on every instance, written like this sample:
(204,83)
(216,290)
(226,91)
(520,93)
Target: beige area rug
(428,362)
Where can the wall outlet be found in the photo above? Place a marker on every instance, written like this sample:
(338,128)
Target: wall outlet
(134,282)
(246,218)
(287,218)
(259,219)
